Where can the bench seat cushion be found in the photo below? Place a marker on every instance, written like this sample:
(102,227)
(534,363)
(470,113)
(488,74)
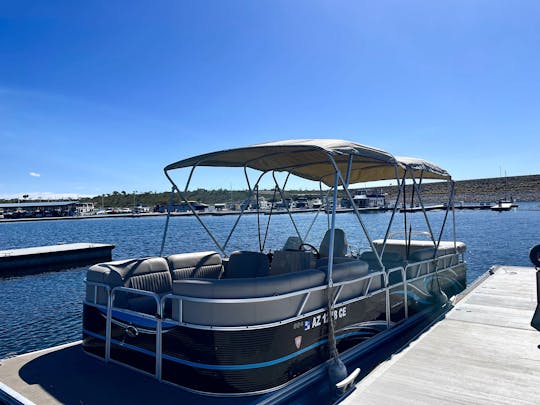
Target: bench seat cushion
(195,265)
(249,287)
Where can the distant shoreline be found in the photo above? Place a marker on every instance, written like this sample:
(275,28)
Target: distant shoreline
(521,188)
(460,205)
(485,191)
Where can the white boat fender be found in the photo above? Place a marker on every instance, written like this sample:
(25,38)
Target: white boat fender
(534,255)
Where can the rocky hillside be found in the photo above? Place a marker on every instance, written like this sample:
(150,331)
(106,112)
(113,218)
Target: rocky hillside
(521,188)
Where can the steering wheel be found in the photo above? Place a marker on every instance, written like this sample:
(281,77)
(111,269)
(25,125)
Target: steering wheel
(311,248)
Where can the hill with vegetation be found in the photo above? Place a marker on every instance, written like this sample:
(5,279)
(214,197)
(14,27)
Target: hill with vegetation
(522,188)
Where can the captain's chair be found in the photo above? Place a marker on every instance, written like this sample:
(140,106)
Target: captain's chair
(340,248)
(340,244)
(292,243)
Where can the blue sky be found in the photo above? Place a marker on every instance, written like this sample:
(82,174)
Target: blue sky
(100,96)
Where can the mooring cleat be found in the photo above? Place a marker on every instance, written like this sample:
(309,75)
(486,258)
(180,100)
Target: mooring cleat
(344,385)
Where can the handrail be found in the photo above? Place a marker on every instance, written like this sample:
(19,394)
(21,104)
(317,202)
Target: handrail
(404,281)
(138,292)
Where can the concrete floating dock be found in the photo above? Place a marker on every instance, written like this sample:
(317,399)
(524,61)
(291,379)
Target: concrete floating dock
(483,352)
(47,258)
(67,375)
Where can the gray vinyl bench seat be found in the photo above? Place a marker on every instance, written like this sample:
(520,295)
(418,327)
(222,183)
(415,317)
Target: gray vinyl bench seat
(148,274)
(266,310)
(195,265)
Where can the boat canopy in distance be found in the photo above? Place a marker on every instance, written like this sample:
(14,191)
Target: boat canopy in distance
(312,159)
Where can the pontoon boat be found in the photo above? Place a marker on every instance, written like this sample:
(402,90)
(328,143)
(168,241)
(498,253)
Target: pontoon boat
(247,322)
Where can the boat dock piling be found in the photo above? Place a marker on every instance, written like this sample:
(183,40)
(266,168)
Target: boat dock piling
(33,260)
(485,351)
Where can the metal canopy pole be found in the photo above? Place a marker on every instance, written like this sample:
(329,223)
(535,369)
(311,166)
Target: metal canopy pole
(171,199)
(283,199)
(331,332)
(243,208)
(453,196)
(348,176)
(337,371)
(191,206)
(422,204)
(401,186)
(355,209)
(450,203)
(269,218)
(316,214)
(332,233)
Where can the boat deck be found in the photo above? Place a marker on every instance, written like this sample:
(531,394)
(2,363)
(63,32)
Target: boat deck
(483,352)
(66,375)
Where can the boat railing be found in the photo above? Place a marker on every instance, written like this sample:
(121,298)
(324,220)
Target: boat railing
(95,286)
(416,270)
(403,272)
(135,291)
(410,272)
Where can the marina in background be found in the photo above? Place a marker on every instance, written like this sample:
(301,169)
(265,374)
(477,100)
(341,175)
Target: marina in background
(470,195)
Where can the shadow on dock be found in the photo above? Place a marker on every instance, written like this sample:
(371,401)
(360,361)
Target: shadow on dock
(69,376)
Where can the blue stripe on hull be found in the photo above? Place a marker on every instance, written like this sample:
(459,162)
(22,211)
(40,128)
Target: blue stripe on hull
(231,366)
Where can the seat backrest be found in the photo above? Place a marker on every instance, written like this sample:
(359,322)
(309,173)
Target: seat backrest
(151,274)
(340,244)
(195,265)
(292,243)
(288,261)
(245,264)
(348,270)
(148,274)
(423,254)
(245,288)
(389,259)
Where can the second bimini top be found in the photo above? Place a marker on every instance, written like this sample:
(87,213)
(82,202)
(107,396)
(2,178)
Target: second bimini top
(314,159)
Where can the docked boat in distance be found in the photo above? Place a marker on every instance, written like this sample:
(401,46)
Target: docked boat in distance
(503,205)
(248,322)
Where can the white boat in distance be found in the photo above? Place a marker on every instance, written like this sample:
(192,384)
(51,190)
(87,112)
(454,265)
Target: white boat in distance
(503,205)
(246,322)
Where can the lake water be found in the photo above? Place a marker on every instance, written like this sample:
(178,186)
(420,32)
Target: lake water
(44,310)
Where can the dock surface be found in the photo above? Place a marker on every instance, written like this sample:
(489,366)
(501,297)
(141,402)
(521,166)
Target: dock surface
(66,375)
(483,352)
(60,248)
(40,259)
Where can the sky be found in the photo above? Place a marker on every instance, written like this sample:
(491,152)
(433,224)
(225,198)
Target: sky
(99,96)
